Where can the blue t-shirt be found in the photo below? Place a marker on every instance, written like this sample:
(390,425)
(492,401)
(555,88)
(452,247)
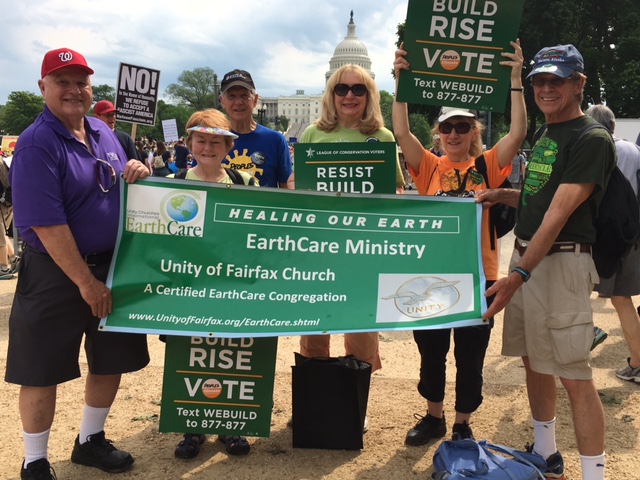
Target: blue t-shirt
(264,154)
(54,180)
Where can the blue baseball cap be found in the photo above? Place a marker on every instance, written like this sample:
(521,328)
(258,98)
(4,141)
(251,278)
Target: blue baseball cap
(561,60)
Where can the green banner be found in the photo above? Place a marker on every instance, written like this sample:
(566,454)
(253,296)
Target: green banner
(453,48)
(218,385)
(346,167)
(203,259)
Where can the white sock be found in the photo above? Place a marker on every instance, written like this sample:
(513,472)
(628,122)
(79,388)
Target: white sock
(545,438)
(93,420)
(592,467)
(35,446)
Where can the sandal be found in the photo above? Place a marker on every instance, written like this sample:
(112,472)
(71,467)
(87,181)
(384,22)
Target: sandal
(235,445)
(190,446)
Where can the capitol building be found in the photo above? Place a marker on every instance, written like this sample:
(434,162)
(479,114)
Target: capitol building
(302,109)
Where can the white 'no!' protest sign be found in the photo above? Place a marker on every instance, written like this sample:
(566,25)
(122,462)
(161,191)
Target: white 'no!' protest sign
(137,94)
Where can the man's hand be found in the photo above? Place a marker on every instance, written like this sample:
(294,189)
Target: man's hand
(134,170)
(98,296)
(488,198)
(504,290)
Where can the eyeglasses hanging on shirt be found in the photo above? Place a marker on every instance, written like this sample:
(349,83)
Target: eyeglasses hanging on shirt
(105,175)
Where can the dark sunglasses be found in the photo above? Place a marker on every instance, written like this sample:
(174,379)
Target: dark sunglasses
(342,89)
(554,81)
(460,128)
(105,174)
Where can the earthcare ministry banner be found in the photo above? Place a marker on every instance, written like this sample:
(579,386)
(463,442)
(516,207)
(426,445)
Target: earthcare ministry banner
(203,259)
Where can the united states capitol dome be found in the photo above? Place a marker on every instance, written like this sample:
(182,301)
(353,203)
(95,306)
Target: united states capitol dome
(350,50)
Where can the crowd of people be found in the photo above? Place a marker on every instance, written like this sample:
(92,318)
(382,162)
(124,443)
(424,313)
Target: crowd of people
(66,210)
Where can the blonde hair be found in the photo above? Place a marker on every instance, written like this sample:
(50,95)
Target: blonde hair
(209,118)
(370,122)
(475,149)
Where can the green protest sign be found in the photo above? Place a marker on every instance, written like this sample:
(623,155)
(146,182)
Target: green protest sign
(453,48)
(346,167)
(218,385)
(202,259)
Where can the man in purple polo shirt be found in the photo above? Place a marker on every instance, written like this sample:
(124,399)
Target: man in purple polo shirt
(66,201)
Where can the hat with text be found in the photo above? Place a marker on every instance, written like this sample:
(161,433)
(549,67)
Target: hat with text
(448,112)
(103,107)
(62,58)
(237,78)
(561,60)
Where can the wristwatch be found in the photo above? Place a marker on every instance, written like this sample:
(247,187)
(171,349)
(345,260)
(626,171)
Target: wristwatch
(522,272)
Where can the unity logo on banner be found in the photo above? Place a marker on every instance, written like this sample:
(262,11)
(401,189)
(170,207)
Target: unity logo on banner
(176,213)
(418,297)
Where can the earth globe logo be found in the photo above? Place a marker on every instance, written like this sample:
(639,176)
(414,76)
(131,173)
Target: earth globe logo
(181,207)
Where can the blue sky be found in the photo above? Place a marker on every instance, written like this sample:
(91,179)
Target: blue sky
(286,45)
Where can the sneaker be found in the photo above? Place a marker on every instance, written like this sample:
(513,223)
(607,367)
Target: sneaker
(555,464)
(461,431)
(599,336)
(427,429)
(100,453)
(629,373)
(13,264)
(6,274)
(39,470)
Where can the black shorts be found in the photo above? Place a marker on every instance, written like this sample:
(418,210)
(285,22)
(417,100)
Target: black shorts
(48,321)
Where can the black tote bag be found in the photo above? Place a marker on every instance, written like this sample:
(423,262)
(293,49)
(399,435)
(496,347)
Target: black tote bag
(329,402)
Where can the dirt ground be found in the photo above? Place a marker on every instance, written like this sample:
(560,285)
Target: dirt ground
(502,418)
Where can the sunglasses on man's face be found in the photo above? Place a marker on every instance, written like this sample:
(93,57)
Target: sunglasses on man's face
(460,128)
(554,81)
(342,89)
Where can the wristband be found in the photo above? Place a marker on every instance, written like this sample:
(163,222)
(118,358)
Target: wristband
(522,272)
(514,89)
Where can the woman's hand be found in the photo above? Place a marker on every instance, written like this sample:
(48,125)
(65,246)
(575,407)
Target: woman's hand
(516,61)
(400,62)
(509,145)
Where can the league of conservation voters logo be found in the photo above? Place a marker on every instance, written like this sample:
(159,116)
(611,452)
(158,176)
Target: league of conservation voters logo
(163,211)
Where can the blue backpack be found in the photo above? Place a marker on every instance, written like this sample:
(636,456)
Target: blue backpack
(468,459)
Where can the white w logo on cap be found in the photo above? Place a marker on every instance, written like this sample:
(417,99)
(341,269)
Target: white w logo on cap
(65,56)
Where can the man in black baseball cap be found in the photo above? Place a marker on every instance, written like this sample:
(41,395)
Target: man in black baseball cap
(259,151)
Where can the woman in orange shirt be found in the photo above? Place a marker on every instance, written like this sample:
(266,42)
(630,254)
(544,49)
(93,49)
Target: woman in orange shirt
(455,174)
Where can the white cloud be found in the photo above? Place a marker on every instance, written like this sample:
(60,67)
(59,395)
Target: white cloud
(285,44)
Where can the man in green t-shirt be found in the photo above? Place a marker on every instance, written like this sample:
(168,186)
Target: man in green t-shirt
(548,319)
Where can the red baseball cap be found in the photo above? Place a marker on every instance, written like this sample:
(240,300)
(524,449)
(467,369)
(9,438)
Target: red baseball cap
(103,107)
(61,58)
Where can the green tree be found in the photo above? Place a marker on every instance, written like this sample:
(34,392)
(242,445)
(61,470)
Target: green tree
(21,110)
(104,92)
(196,88)
(386,106)
(283,123)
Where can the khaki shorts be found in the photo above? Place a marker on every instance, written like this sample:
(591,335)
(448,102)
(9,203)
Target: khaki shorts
(6,218)
(549,319)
